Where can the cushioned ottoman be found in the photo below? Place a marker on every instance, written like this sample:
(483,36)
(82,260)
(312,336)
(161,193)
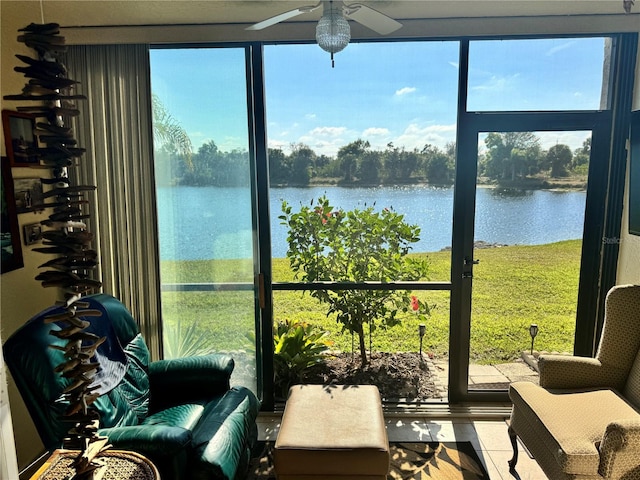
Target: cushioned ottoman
(334,431)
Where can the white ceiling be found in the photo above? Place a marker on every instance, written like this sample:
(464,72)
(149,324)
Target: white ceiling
(164,12)
(176,21)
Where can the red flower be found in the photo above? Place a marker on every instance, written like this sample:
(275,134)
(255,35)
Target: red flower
(415,303)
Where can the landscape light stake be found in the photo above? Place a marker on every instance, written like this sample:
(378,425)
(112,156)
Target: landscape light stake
(533,331)
(421,331)
(370,343)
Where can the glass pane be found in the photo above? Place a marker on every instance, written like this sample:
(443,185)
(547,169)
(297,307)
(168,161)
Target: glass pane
(534,75)
(365,133)
(205,212)
(530,203)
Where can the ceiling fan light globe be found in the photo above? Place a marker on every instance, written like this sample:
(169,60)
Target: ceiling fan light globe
(333,33)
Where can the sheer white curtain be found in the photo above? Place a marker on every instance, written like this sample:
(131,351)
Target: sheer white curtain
(115,127)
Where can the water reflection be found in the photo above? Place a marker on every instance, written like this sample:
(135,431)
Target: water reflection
(503,216)
(511,192)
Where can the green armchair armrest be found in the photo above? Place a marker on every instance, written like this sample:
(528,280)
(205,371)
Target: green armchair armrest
(167,447)
(190,379)
(153,440)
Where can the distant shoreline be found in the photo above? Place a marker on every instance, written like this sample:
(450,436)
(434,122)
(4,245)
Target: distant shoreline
(553,184)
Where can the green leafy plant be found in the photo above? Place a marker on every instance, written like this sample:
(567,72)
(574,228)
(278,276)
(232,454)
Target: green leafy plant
(297,346)
(327,245)
(184,341)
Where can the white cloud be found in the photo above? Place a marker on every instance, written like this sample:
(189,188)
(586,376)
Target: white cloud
(416,136)
(559,48)
(321,146)
(230,143)
(405,91)
(375,132)
(279,144)
(497,83)
(455,65)
(328,131)
(572,139)
(328,140)
(310,116)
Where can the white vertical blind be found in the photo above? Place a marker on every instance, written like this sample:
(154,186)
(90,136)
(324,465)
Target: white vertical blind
(115,126)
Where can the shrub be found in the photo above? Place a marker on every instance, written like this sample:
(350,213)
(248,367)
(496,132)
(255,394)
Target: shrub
(297,346)
(327,245)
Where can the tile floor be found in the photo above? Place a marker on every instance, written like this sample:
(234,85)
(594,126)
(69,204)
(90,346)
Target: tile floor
(489,437)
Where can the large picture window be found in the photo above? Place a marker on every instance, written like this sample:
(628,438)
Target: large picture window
(487,147)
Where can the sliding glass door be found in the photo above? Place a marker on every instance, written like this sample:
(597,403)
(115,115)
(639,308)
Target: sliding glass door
(205,180)
(531,174)
(527,246)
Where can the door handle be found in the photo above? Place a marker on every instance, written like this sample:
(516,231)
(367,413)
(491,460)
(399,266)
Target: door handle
(469,263)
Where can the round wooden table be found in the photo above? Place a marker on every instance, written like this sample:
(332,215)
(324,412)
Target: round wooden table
(121,465)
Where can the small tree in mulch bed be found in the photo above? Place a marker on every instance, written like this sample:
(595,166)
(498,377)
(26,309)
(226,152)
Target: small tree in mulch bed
(357,246)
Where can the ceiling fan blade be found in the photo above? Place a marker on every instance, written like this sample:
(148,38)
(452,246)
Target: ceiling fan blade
(282,17)
(370,18)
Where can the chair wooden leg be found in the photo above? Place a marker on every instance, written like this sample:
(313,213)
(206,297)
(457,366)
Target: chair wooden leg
(514,444)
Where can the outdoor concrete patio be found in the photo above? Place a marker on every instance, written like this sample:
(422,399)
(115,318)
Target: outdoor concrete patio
(487,377)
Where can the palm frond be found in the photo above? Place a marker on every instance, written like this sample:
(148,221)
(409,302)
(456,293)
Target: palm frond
(167,130)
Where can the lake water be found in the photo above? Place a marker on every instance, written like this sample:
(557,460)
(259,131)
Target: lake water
(199,223)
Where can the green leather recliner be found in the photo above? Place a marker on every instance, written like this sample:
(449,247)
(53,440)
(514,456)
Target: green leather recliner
(182,414)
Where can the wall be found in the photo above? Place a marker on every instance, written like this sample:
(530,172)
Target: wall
(629,259)
(21,296)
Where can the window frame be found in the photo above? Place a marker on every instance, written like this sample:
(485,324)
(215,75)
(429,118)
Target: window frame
(603,215)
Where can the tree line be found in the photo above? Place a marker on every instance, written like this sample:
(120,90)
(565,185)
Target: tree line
(508,157)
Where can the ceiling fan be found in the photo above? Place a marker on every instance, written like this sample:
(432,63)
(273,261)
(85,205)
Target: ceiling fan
(333,32)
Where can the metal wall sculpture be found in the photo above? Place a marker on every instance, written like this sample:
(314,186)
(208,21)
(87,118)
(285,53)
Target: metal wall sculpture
(51,99)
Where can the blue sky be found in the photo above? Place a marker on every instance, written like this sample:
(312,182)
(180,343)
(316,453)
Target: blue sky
(400,92)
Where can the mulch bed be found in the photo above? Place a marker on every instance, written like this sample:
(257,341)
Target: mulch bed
(397,375)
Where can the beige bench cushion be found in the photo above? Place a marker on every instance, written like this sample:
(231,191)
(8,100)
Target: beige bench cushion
(571,424)
(332,431)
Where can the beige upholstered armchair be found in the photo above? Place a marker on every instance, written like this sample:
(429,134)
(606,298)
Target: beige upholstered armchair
(583,421)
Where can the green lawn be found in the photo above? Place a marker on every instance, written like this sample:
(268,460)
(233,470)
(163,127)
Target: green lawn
(513,287)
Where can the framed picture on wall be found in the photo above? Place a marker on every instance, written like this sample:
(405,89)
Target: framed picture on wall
(19,138)
(634,175)
(9,234)
(32,233)
(28,194)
